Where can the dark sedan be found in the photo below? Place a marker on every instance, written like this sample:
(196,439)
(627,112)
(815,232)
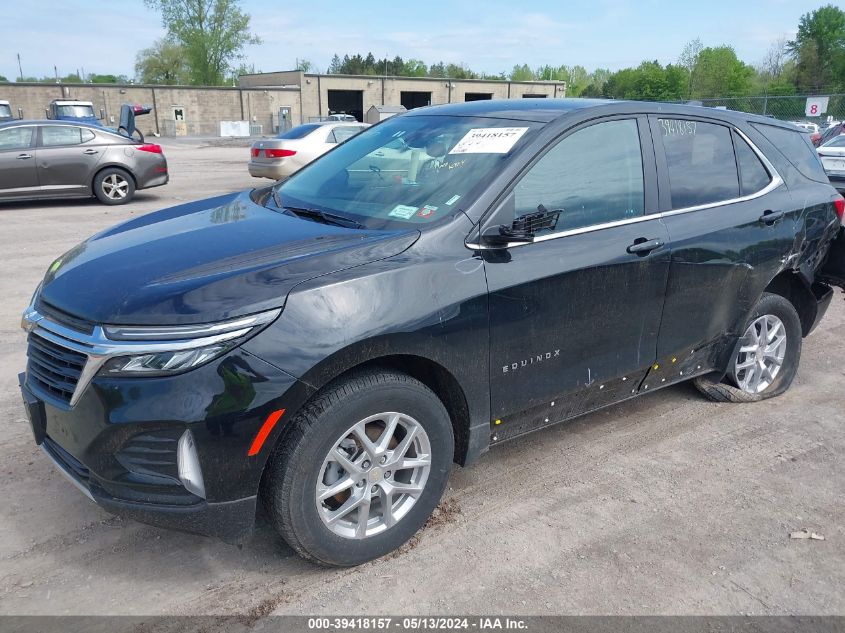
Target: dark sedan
(58,159)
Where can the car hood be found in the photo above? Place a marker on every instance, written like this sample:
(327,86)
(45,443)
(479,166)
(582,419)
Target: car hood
(205,261)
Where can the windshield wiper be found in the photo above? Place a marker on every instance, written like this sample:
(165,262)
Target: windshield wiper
(323,216)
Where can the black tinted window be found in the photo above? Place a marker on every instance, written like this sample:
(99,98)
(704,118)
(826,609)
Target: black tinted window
(797,148)
(594,175)
(752,174)
(300,131)
(700,159)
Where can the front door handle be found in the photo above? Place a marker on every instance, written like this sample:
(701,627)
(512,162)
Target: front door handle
(24,156)
(90,152)
(770,217)
(642,246)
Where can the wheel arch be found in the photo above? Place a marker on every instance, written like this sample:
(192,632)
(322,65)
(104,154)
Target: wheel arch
(112,165)
(793,287)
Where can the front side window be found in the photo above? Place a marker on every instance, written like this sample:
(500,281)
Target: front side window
(408,170)
(58,135)
(593,176)
(700,160)
(16,138)
(5,111)
(753,175)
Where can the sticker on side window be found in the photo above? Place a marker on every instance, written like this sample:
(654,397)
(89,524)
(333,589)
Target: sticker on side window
(402,211)
(489,140)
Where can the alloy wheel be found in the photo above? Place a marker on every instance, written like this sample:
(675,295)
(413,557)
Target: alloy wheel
(115,186)
(373,475)
(761,353)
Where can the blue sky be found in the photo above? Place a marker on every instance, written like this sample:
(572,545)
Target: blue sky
(487,35)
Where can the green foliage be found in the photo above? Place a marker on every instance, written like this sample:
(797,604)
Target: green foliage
(819,49)
(3,79)
(162,63)
(212,34)
(649,81)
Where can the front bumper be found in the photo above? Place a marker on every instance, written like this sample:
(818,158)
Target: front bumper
(117,444)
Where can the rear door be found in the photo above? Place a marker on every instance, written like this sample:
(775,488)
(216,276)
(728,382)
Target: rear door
(18,175)
(67,158)
(574,316)
(730,221)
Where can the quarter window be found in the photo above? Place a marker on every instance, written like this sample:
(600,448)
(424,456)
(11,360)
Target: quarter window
(56,135)
(593,176)
(700,160)
(16,138)
(752,174)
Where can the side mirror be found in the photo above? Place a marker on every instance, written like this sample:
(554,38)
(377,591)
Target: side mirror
(522,229)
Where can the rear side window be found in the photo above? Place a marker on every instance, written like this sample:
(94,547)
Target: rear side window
(796,148)
(839,141)
(700,161)
(300,131)
(593,176)
(340,134)
(753,176)
(55,135)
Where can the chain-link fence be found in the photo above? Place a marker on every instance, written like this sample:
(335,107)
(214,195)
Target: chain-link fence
(791,108)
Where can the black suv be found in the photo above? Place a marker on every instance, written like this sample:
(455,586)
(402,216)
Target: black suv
(449,279)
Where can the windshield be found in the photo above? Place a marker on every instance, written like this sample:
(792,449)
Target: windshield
(5,110)
(75,111)
(407,170)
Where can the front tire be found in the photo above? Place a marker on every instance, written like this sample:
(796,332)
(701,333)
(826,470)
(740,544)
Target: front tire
(361,469)
(767,356)
(114,186)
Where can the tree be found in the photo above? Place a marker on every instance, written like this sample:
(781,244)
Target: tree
(212,34)
(819,49)
(335,65)
(522,73)
(719,73)
(3,79)
(162,63)
(303,65)
(415,68)
(689,60)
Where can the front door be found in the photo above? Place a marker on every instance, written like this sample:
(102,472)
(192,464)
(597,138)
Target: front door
(574,315)
(67,157)
(18,175)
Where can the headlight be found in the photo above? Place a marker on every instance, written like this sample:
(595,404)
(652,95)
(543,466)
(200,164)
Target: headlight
(160,351)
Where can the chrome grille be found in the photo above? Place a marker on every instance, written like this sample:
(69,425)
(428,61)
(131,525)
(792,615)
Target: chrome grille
(53,370)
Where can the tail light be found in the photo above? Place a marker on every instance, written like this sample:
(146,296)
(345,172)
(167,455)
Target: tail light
(254,152)
(839,203)
(279,153)
(152,148)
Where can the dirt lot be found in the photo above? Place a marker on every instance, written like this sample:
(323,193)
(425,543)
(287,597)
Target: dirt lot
(667,504)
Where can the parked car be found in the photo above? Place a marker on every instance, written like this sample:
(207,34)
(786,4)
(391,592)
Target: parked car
(820,138)
(70,110)
(291,150)
(832,155)
(60,159)
(807,126)
(5,112)
(330,346)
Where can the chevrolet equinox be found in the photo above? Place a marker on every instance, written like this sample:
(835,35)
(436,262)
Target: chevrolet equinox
(447,280)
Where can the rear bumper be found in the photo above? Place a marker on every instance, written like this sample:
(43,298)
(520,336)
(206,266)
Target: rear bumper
(823,294)
(265,170)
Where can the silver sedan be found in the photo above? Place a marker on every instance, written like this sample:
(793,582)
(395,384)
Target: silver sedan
(64,159)
(291,150)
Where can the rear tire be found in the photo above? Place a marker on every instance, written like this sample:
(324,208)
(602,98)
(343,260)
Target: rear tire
(114,186)
(335,487)
(776,363)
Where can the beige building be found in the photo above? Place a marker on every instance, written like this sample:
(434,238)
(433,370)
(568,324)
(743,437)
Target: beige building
(269,101)
(322,95)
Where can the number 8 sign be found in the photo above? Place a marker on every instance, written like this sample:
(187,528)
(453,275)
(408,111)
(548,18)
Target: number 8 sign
(816,106)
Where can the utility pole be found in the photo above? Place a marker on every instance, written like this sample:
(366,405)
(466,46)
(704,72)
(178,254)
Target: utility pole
(56,72)
(20,69)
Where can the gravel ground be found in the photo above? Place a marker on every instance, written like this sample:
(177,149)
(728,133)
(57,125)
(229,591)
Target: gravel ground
(667,504)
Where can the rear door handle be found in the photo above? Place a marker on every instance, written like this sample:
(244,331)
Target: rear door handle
(642,246)
(770,217)
(90,152)
(24,156)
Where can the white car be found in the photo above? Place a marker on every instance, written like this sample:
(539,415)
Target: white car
(832,154)
(809,126)
(291,150)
